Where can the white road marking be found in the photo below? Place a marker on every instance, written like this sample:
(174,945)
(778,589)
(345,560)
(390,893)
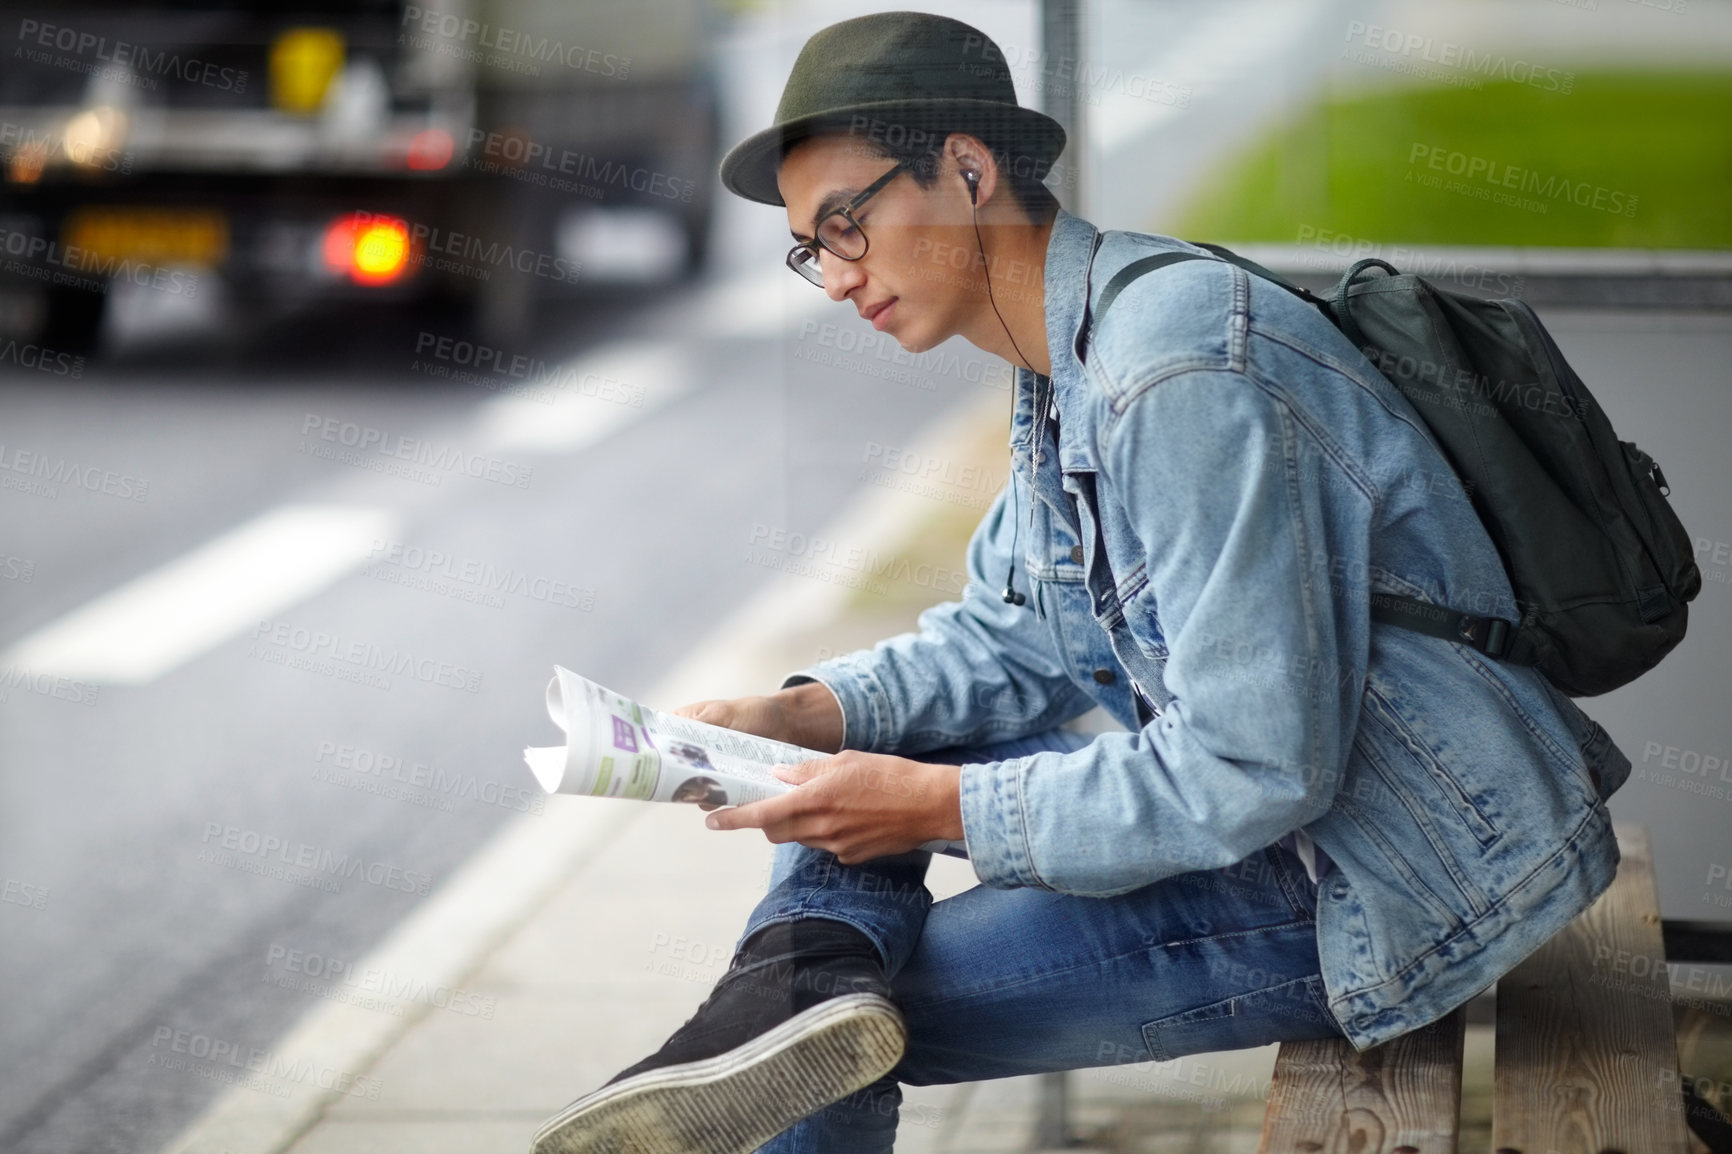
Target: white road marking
(164,618)
(598,393)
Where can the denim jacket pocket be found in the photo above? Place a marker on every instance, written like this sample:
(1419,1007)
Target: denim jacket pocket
(1533,701)
(1144,622)
(1103,584)
(1393,741)
(1050,549)
(1137,642)
(1122,604)
(1420,804)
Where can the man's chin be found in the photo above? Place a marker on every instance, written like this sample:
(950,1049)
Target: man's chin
(915,342)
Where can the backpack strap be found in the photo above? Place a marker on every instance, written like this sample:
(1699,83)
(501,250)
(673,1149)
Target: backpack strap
(1341,313)
(1256,269)
(1122,279)
(1492,636)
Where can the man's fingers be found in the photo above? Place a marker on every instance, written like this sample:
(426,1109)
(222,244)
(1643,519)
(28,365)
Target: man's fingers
(801,771)
(752,815)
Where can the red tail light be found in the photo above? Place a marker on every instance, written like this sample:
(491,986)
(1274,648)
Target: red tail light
(368,249)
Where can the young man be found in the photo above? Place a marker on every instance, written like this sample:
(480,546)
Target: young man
(1315,826)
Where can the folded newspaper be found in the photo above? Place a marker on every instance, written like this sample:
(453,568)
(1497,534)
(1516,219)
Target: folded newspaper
(615,747)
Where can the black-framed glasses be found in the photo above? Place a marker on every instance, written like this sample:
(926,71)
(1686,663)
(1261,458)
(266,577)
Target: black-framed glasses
(838,232)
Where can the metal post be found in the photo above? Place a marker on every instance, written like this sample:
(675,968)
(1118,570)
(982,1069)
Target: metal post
(1060,97)
(1052,1124)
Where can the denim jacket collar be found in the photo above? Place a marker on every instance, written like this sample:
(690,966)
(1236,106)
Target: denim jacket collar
(1069,255)
(1070,252)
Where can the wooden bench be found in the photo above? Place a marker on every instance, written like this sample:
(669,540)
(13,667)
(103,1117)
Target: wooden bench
(1584,1065)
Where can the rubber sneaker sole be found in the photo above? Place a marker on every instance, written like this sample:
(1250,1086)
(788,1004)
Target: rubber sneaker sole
(735,1102)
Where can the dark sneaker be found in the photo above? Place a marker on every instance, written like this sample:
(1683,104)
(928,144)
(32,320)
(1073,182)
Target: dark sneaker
(802,1018)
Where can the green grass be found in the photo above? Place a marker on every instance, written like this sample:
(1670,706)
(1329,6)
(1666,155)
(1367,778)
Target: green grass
(1657,146)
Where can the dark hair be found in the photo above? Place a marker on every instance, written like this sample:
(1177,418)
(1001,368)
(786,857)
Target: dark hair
(920,146)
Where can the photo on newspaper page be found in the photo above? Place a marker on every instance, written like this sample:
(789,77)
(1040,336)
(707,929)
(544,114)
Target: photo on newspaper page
(615,747)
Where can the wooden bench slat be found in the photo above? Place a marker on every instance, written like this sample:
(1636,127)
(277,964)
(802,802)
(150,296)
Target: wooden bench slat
(1587,1060)
(1403,1097)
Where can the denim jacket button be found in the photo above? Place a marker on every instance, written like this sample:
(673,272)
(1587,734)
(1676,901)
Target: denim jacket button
(1105,676)
(1076,554)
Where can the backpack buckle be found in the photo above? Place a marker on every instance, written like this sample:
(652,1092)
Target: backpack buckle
(1489,635)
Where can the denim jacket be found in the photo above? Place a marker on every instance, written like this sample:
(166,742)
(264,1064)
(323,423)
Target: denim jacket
(1198,526)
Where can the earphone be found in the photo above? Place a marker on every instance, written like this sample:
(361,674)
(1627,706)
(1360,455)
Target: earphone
(972,179)
(1010,595)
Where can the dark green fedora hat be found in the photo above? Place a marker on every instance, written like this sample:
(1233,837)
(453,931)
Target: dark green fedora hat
(893,76)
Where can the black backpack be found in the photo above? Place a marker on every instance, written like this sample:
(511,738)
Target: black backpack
(1600,565)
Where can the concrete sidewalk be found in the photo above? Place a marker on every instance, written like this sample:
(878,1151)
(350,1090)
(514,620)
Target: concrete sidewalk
(597,979)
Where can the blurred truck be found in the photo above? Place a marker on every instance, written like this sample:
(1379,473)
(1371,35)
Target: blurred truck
(285,153)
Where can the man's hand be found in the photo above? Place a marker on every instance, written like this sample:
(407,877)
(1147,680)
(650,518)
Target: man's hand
(857,805)
(806,715)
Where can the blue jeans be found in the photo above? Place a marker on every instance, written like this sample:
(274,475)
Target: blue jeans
(995,983)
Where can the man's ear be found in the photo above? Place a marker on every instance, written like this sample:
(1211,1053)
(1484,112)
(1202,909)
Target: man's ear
(969,155)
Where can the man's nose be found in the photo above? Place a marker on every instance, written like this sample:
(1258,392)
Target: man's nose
(840,276)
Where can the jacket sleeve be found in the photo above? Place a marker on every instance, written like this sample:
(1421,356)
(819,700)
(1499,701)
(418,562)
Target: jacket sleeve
(1262,653)
(978,670)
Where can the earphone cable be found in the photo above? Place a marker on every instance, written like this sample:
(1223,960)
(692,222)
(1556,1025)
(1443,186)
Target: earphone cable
(1011,596)
(986,269)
